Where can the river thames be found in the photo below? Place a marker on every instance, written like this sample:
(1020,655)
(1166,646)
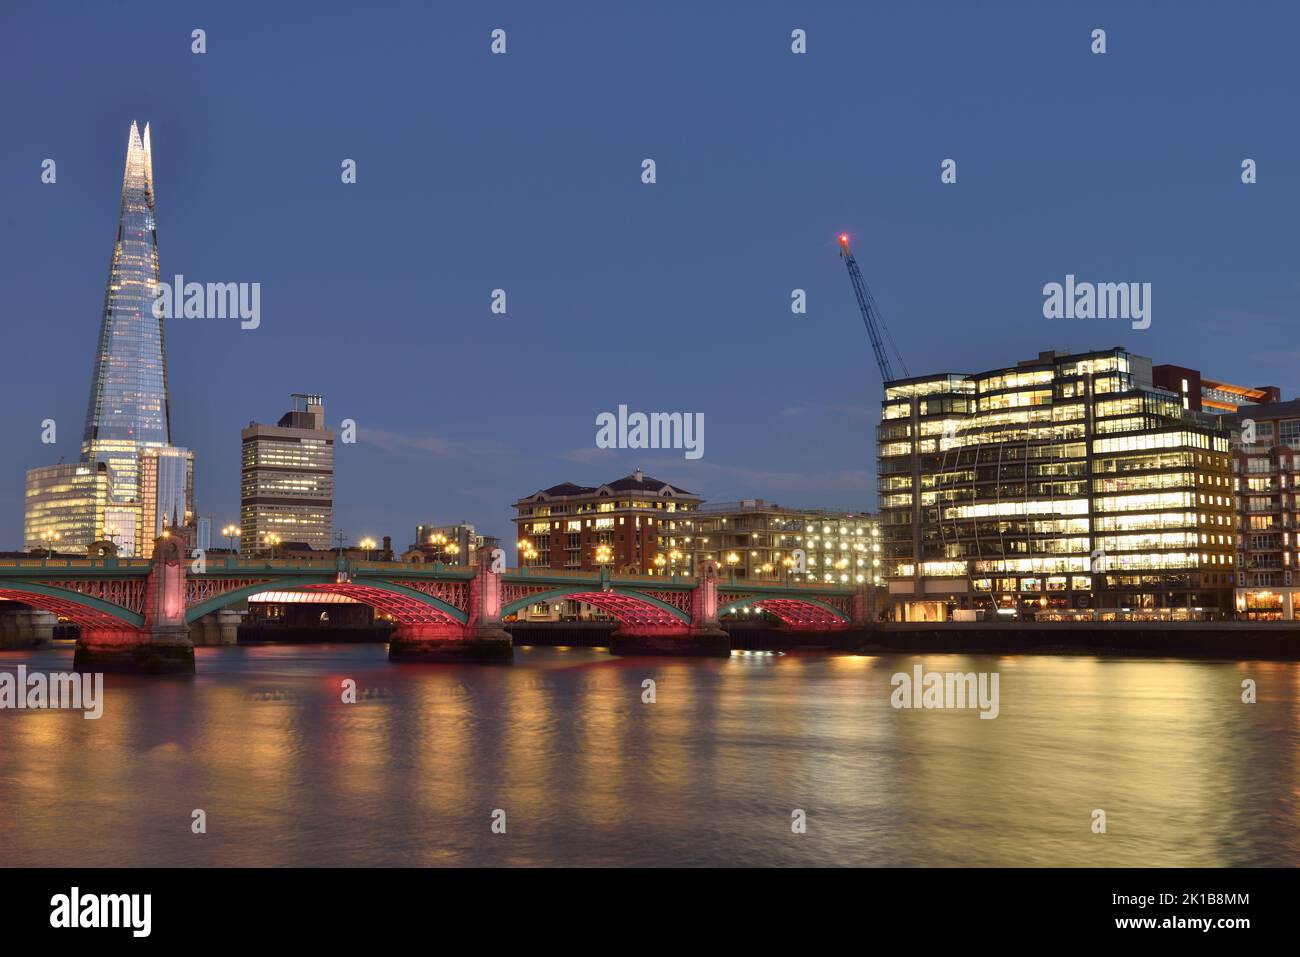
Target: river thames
(709,773)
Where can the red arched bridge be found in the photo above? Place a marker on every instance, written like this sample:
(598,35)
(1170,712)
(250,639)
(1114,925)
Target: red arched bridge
(136,612)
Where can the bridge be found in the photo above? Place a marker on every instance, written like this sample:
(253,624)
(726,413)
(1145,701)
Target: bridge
(136,614)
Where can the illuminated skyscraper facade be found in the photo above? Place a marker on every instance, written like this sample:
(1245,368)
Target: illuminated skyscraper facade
(287,480)
(128,411)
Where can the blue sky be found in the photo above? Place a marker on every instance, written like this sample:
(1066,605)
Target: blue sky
(522,172)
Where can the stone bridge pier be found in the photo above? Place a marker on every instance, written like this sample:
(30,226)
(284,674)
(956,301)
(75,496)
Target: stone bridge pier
(702,636)
(480,639)
(162,645)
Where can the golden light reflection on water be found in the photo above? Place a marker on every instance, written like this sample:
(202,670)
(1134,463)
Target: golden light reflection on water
(708,773)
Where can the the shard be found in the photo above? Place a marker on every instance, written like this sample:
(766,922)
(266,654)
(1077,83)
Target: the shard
(127,485)
(128,409)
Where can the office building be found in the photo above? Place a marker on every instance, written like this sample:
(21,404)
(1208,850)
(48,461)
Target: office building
(166,480)
(128,411)
(287,479)
(1066,486)
(1201,394)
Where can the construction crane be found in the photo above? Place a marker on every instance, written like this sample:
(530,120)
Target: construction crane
(875,323)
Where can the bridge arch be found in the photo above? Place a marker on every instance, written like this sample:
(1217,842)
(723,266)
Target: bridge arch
(804,611)
(628,605)
(406,605)
(85,610)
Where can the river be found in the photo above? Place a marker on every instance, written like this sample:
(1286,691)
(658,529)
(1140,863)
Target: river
(712,772)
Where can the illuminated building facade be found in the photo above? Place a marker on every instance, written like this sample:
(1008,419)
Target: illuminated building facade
(166,478)
(65,506)
(564,526)
(1266,467)
(754,539)
(451,544)
(1067,486)
(287,479)
(128,410)
(1199,394)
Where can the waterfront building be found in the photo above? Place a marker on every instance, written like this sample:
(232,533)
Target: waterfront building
(1066,486)
(1200,394)
(754,539)
(1266,470)
(128,411)
(287,479)
(565,526)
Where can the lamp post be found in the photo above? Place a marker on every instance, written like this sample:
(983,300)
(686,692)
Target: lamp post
(660,562)
(231,532)
(269,541)
(49,538)
(367,544)
(732,560)
(440,540)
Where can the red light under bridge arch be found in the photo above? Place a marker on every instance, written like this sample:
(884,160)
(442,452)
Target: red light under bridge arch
(82,610)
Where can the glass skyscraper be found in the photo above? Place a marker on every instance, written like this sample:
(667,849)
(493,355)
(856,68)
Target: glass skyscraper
(128,409)
(128,418)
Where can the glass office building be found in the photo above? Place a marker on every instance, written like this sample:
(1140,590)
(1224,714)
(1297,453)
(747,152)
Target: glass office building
(66,506)
(166,493)
(287,480)
(1067,486)
(128,409)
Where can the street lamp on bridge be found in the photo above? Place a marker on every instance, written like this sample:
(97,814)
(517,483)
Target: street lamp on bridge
(231,532)
(49,538)
(367,544)
(269,541)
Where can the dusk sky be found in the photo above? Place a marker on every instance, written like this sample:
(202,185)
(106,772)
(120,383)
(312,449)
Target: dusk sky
(523,172)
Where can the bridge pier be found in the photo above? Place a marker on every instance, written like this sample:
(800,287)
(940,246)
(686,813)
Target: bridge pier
(703,637)
(481,639)
(162,645)
(687,642)
(216,628)
(26,628)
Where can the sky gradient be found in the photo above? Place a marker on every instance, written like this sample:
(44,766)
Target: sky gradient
(522,172)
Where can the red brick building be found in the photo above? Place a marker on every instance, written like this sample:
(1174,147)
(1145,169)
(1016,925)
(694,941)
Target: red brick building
(562,526)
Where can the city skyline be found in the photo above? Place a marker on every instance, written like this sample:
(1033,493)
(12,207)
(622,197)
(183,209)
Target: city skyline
(404,342)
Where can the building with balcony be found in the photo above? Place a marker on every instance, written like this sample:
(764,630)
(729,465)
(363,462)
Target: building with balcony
(1266,470)
(755,539)
(1065,486)
(564,526)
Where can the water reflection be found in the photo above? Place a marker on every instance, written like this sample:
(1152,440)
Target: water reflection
(709,773)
